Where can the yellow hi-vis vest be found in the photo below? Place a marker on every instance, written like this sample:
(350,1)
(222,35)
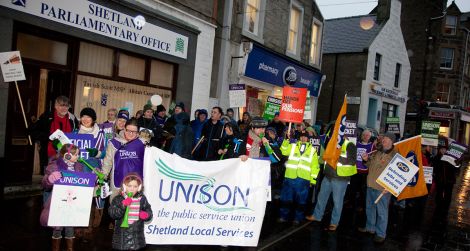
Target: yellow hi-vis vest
(304,166)
(345,170)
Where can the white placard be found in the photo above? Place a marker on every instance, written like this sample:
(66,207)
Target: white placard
(398,173)
(205,203)
(237,95)
(427,170)
(71,200)
(12,67)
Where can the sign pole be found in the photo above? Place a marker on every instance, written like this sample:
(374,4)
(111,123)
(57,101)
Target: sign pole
(22,110)
(380,196)
(288,130)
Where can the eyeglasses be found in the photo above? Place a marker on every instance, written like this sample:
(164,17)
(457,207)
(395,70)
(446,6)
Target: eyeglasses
(63,105)
(131,132)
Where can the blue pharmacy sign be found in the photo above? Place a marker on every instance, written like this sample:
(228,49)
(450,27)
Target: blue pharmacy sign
(268,67)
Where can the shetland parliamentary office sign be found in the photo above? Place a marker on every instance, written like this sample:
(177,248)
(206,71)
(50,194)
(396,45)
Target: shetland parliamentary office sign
(102,20)
(205,203)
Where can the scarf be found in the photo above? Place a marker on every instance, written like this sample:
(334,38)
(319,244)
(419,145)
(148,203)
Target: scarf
(134,209)
(58,123)
(253,145)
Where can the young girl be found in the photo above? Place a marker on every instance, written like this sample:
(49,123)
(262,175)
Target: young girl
(66,161)
(131,237)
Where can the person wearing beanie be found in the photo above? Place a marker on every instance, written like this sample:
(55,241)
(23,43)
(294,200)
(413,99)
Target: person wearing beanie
(277,124)
(257,144)
(211,134)
(377,214)
(160,115)
(244,123)
(148,121)
(120,123)
(179,107)
(197,124)
(182,144)
(88,123)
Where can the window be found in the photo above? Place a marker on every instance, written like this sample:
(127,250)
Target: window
(161,74)
(447,58)
(51,51)
(397,75)
(388,110)
(315,44)
(95,59)
(295,32)
(252,16)
(450,26)
(442,92)
(131,67)
(378,58)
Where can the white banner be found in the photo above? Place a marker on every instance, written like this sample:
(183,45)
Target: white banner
(99,19)
(398,173)
(208,203)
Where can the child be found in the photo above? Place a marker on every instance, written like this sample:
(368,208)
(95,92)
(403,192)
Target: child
(65,161)
(132,237)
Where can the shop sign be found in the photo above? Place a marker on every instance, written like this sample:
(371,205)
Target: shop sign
(12,68)
(430,132)
(354,100)
(268,67)
(237,95)
(392,125)
(387,93)
(99,19)
(293,104)
(272,106)
(441,114)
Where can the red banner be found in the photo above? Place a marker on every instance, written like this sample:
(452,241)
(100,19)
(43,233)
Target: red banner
(293,104)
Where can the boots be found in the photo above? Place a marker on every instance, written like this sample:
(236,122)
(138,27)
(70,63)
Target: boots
(97,215)
(56,244)
(69,243)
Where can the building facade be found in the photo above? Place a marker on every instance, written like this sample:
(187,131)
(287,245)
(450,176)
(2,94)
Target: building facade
(365,57)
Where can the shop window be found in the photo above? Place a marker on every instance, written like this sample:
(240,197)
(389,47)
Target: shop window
(161,74)
(442,92)
(295,29)
(378,59)
(95,59)
(397,75)
(450,27)
(447,58)
(131,67)
(388,110)
(50,51)
(315,43)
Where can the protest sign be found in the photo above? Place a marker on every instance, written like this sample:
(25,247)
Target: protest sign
(430,132)
(272,106)
(237,95)
(455,152)
(397,174)
(428,174)
(293,104)
(12,68)
(350,131)
(71,200)
(210,203)
(392,125)
(82,141)
(308,110)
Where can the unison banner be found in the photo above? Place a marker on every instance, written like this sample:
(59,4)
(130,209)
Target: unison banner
(210,203)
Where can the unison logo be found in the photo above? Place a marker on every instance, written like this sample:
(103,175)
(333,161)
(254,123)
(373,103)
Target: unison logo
(220,198)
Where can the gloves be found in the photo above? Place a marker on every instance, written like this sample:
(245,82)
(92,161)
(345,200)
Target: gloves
(54,176)
(143,215)
(126,202)
(92,152)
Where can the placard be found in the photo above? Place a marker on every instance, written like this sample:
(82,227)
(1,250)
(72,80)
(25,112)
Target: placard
(12,67)
(392,125)
(293,104)
(455,152)
(428,174)
(237,95)
(430,132)
(272,106)
(350,131)
(71,200)
(82,141)
(398,173)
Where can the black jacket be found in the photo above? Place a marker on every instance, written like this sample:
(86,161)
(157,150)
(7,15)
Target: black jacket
(212,133)
(153,126)
(131,238)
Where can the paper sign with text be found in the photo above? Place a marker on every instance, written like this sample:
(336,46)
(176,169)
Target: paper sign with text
(237,95)
(293,104)
(428,174)
(12,67)
(397,174)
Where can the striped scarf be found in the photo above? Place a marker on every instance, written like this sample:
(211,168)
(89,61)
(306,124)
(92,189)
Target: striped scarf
(134,209)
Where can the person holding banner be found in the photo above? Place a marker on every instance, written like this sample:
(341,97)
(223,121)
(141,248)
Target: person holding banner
(130,209)
(212,133)
(377,213)
(65,160)
(301,171)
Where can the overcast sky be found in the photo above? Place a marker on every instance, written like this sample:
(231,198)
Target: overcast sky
(347,8)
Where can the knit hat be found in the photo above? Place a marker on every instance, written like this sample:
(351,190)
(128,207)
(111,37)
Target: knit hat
(160,108)
(88,111)
(147,107)
(225,117)
(391,136)
(123,115)
(203,111)
(258,122)
(309,129)
(303,134)
(180,105)
(229,110)
(271,129)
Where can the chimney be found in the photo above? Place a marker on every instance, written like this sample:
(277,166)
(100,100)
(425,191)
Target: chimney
(383,11)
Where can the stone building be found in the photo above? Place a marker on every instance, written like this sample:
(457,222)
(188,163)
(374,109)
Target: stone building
(365,57)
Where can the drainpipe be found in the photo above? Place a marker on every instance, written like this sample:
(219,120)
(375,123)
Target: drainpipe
(461,103)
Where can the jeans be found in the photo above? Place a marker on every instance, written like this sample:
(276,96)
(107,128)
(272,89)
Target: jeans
(57,232)
(294,190)
(328,186)
(377,214)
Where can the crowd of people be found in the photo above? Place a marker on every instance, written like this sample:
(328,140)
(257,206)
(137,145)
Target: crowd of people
(298,173)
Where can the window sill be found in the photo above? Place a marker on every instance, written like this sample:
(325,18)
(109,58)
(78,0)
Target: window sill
(292,55)
(252,36)
(446,69)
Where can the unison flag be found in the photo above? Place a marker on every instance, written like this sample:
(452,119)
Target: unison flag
(333,149)
(411,149)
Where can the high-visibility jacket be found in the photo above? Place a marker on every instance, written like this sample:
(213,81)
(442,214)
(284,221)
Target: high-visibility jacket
(304,166)
(345,170)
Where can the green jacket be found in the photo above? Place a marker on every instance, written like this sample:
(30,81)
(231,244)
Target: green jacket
(304,166)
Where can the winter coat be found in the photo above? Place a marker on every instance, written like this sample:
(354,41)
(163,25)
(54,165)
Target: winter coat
(196,126)
(153,126)
(212,133)
(183,141)
(444,173)
(95,161)
(131,238)
(234,145)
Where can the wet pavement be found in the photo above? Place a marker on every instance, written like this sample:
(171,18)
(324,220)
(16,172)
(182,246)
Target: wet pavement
(413,228)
